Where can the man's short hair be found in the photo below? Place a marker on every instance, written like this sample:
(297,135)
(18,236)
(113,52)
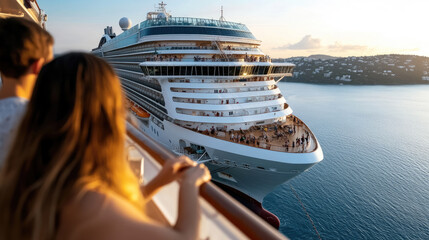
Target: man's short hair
(22,42)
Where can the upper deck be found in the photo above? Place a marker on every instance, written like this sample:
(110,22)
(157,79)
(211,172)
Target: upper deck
(194,22)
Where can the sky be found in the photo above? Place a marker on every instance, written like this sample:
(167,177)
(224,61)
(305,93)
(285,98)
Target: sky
(287,28)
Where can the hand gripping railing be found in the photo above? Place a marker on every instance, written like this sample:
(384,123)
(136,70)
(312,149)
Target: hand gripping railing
(245,220)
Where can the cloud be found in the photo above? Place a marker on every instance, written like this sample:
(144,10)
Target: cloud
(306,42)
(344,48)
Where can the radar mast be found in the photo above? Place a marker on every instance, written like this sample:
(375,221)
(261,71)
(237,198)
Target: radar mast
(159,13)
(222,19)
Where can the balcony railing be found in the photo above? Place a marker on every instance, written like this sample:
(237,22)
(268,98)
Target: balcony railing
(222,216)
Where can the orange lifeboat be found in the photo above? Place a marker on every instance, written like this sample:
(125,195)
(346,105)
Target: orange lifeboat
(137,109)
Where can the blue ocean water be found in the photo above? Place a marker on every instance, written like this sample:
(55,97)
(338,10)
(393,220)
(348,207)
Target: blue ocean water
(374,180)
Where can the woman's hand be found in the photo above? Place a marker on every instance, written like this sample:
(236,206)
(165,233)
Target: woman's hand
(172,170)
(196,176)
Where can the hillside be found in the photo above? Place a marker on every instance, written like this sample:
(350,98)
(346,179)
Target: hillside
(372,70)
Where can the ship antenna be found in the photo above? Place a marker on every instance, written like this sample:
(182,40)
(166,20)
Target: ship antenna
(222,19)
(162,6)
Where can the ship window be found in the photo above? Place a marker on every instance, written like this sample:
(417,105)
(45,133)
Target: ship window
(198,70)
(260,70)
(163,71)
(144,69)
(217,71)
(189,70)
(211,71)
(205,71)
(171,71)
(150,70)
(255,70)
(231,71)
(266,70)
(225,71)
(230,113)
(237,70)
(156,71)
(182,71)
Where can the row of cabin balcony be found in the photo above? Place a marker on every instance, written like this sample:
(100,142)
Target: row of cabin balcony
(213,58)
(126,66)
(160,113)
(228,100)
(176,48)
(138,48)
(215,70)
(187,58)
(155,96)
(224,90)
(139,79)
(194,80)
(234,113)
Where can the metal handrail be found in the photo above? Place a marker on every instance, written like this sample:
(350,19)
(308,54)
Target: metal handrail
(245,220)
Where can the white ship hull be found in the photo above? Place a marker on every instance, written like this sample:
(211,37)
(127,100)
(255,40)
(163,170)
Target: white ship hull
(252,171)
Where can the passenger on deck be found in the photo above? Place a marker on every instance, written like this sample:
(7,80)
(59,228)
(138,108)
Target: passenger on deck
(66,176)
(24,48)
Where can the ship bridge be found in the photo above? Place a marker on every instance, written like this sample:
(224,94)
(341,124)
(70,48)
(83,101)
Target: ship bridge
(186,25)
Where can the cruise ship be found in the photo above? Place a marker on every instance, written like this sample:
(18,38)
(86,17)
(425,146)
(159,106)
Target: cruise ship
(203,88)
(28,9)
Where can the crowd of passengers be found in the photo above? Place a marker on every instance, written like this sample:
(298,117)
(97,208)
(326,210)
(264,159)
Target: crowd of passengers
(277,134)
(64,170)
(214,58)
(212,47)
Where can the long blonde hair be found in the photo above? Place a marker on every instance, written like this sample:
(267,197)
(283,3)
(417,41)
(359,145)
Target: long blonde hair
(71,136)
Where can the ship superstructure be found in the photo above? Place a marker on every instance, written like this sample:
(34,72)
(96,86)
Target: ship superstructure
(28,9)
(203,88)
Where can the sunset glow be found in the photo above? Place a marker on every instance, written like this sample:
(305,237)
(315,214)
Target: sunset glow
(286,28)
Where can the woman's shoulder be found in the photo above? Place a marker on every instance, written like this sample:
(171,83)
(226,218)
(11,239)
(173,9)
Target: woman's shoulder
(105,215)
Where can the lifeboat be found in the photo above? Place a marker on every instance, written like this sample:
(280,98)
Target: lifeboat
(140,112)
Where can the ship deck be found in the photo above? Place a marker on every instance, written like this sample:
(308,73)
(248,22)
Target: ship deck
(291,136)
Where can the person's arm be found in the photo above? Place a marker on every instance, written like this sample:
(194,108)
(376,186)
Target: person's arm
(119,222)
(171,170)
(189,207)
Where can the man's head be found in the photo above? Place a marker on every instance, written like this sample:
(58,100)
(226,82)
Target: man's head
(24,47)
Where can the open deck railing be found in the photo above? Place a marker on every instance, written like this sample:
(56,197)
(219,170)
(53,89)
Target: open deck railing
(245,223)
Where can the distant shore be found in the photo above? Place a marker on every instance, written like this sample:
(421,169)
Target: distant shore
(371,70)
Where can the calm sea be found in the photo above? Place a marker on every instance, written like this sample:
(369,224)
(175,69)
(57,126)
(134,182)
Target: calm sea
(374,180)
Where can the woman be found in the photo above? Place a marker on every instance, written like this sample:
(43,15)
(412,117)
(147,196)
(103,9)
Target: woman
(66,176)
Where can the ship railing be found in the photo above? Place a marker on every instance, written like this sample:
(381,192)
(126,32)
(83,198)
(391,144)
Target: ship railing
(223,101)
(143,50)
(252,79)
(263,136)
(222,216)
(174,58)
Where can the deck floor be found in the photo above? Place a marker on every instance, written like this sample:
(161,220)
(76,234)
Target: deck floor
(291,136)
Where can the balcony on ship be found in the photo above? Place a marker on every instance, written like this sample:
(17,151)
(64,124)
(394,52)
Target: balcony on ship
(233,113)
(242,89)
(292,135)
(222,217)
(168,69)
(226,101)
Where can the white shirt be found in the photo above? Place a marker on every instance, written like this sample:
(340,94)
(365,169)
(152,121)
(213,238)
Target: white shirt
(11,111)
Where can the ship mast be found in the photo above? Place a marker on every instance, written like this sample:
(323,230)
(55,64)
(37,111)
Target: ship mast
(222,19)
(160,12)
